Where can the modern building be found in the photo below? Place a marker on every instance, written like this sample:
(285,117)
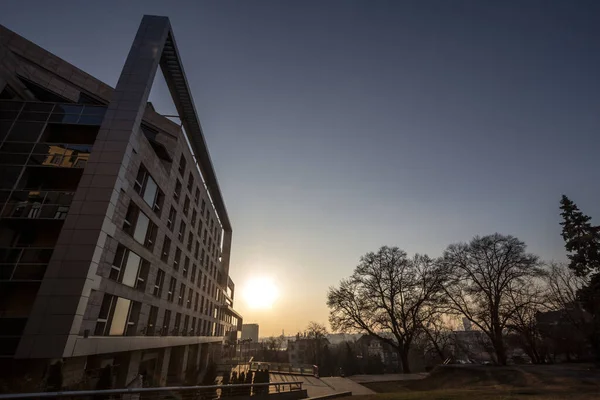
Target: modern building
(114,236)
(250,332)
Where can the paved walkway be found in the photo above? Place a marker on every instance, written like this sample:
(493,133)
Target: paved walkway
(387,377)
(323,386)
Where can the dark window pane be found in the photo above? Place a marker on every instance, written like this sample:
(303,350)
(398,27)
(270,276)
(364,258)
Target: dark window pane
(64,118)
(67,109)
(39,107)
(94,110)
(23,148)
(25,131)
(9,176)
(4,128)
(11,105)
(91,119)
(14,159)
(8,114)
(33,116)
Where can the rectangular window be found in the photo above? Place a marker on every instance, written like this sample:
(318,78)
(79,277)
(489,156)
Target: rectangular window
(186,205)
(138,225)
(193,276)
(152,317)
(190,184)
(194,216)
(151,236)
(141,228)
(119,320)
(199,283)
(171,219)
(197,196)
(177,325)
(182,165)
(186,266)
(181,294)
(172,287)
(190,240)
(181,232)
(177,191)
(197,250)
(158,283)
(186,322)
(166,249)
(146,187)
(177,259)
(193,327)
(199,231)
(190,297)
(129,268)
(118,316)
(166,323)
(196,299)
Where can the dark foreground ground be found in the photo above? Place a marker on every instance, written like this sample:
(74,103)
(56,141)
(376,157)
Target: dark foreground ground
(531,382)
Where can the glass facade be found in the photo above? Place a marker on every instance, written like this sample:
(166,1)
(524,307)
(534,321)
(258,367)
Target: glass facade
(43,150)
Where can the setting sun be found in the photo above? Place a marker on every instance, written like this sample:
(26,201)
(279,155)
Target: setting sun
(260,293)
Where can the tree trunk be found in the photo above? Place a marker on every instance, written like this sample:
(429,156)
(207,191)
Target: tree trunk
(500,349)
(405,362)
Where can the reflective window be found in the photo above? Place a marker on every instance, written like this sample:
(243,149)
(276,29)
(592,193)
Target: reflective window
(25,131)
(119,320)
(146,187)
(150,192)
(141,228)
(131,269)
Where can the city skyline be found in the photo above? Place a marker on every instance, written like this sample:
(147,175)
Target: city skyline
(339,127)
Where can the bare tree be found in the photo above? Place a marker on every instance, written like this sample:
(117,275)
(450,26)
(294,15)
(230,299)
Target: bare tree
(482,275)
(563,285)
(436,337)
(388,296)
(527,301)
(315,330)
(316,333)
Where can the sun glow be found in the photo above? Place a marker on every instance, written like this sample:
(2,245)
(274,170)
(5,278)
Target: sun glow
(260,293)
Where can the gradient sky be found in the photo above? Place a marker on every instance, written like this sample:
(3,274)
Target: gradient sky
(336,127)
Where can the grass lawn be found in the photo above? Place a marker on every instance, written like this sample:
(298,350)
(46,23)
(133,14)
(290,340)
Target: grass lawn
(532,382)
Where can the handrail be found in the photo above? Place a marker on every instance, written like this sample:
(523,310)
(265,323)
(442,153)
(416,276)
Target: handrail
(45,395)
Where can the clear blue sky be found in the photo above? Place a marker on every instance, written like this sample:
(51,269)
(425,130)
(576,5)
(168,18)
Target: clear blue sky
(339,126)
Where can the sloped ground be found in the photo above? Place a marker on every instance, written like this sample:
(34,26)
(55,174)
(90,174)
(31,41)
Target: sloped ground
(317,387)
(572,381)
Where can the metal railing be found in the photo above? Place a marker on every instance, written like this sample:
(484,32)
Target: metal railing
(164,393)
(284,368)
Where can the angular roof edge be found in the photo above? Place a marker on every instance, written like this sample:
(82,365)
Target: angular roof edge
(172,68)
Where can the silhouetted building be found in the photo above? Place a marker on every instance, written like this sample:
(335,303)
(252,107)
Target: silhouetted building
(114,236)
(250,332)
(371,346)
(305,350)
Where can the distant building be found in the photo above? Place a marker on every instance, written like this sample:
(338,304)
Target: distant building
(250,331)
(371,346)
(304,350)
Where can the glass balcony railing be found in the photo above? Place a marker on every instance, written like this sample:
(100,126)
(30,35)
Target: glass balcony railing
(35,204)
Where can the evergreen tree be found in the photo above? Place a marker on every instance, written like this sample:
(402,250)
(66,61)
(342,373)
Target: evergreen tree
(582,242)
